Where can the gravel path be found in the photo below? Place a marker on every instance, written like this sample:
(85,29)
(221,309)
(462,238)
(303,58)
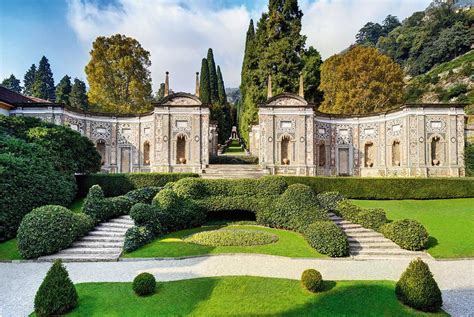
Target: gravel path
(19,281)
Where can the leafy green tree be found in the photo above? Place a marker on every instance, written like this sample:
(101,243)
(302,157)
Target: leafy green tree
(369,33)
(63,90)
(12,83)
(204,86)
(161,92)
(361,81)
(118,75)
(212,76)
(311,60)
(43,85)
(78,98)
(390,23)
(29,80)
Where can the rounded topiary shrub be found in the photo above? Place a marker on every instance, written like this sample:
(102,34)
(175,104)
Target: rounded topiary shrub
(56,294)
(294,209)
(136,237)
(312,280)
(408,234)
(348,210)
(94,204)
(372,218)
(327,238)
(142,195)
(271,186)
(190,188)
(46,230)
(328,200)
(418,289)
(84,223)
(144,284)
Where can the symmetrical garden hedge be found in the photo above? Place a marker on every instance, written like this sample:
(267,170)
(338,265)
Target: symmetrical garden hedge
(390,188)
(119,184)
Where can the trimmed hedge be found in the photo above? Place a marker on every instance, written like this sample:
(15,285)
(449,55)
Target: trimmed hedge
(136,237)
(327,238)
(49,229)
(418,289)
(347,210)
(389,188)
(56,294)
(232,237)
(144,284)
(372,218)
(408,234)
(151,216)
(119,184)
(329,200)
(312,280)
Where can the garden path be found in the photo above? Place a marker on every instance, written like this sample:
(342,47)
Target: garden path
(19,281)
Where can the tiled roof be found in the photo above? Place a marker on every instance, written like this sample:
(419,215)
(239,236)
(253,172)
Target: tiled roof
(10,97)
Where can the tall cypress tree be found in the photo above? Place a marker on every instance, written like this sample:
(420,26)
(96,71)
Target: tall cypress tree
(212,76)
(43,86)
(204,86)
(221,88)
(63,90)
(249,44)
(78,98)
(29,80)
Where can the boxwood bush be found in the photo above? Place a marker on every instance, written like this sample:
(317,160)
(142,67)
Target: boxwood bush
(372,218)
(418,289)
(150,216)
(144,284)
(408,234)
(312,280)
(49,229)
(329,200)
(143,195)
(56,294)
(390,187)
(120,184)
(327,238)
(136,237)
(347,210)
(231,237)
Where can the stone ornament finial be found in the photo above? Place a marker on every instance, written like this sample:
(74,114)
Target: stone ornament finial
(301,89)
(197,84)
(269,83)
(167,84)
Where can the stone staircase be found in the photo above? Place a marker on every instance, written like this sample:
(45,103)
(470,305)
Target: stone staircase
(233,171)
(103,243)
(367,244)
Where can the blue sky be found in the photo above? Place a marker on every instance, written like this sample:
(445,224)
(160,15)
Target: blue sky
(176,32)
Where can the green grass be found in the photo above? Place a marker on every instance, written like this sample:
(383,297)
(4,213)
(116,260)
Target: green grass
(449,222)
(234,148)
(243,296)
(77,204)
(289,244)
(9,250)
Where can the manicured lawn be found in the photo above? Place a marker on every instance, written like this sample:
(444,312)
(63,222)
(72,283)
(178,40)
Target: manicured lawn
(289,244)
(234,148)
(243,296)
(449,222)
(9,250)
(77,204)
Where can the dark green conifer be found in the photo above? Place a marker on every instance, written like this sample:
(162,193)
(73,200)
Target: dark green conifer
(29,80)
(204,86)
(212,76)
(63,91)
(78,98)
(43,86)
(12,83)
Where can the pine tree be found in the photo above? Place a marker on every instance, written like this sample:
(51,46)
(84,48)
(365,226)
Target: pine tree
(204,86)
(221,88)
(212,76)
(43,86)
(63,90)
(311,60)
(12,83)
(29,80)
(78,98)
(57,294)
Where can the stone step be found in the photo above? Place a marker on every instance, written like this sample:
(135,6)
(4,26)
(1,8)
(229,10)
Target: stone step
(101,239)
(208,176)
(386,252)
(367,239)
(97,244)
(346,224)
(355,231)
(111,229)
(126,217)
(75,250)
(365,234)
(98,233)
(79,258)
(376,245)
(118,225)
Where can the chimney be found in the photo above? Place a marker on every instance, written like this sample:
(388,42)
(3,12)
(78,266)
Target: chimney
(197,84)
(167,84)
(301,90)
(269,89)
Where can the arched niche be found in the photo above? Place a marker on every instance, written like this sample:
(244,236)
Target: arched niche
(396,155)
(322,155)
(285,150)
(181,149)
(436,151)
(369,154)
(146,153)
(101,148)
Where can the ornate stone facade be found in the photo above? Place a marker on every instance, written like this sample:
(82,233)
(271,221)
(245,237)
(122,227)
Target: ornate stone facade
(415,140)
(143,143)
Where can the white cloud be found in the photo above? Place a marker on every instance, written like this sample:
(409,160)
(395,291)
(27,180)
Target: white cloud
(178,33)
(331,25)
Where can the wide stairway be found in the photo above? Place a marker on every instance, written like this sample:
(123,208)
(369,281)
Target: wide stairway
(103,243)
(233,171)
(367,244)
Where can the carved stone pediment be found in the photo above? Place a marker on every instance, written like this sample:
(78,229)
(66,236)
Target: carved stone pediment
(287,100)
(181,99)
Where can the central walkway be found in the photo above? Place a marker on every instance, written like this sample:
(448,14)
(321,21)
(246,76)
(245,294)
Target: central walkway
(19,281)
